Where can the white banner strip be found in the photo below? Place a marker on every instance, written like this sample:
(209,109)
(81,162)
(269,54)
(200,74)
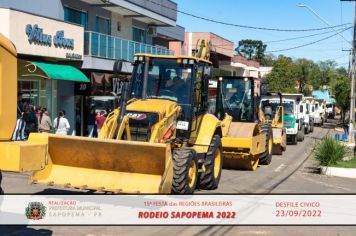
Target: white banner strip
(178,209)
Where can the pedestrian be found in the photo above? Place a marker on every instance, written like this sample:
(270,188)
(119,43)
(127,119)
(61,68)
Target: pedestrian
(91,122)
(45,123)
(61,124)
(38,110)
(19,133)
(100,119)
(346,126)
(31,121)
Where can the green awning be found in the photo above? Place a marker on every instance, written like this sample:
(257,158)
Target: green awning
(51,71)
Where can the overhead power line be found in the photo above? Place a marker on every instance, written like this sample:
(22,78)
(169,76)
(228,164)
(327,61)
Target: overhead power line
(307,44)
(301,37)
(287,49)
(244,26)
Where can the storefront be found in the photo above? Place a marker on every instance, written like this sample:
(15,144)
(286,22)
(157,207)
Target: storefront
(50,55)
(102,94)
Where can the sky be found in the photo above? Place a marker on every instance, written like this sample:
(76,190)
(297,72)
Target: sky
(283,14)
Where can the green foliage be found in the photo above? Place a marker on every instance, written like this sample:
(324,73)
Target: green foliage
(268,60)
(252,49)
(281,78)
(327,74)
(341,89)
(302,72)
(346,164)
(329,151)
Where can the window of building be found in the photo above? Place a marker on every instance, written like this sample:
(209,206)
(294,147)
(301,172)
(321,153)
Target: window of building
(30,90)
(138,35)
(103,25)
(76,16)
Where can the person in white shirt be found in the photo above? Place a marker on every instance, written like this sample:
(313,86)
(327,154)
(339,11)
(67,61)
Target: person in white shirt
(61,124)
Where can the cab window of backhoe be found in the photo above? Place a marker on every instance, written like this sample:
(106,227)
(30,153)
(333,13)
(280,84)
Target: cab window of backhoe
(167,79)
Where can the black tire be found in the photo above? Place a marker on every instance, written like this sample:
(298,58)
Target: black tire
(301,134)
(307,129)
(1,191)
(211,177)
(266,157)
(183,160)
(295,140)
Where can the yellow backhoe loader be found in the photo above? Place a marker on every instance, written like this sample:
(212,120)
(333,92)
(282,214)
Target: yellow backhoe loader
(160,140)
(247,139)
(273,109)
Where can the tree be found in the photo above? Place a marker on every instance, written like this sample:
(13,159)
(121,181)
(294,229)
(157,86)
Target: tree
(281,78)
(302,72)
(341,90)
(315,77)
(252,49)
(268,60)
(327,73)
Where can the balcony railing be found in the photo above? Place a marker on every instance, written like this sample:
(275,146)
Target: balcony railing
(110,47)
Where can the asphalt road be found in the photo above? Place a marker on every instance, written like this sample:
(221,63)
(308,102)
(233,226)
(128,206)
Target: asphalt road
(293,172)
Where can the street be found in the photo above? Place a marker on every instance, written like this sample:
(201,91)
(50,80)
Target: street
(293,172)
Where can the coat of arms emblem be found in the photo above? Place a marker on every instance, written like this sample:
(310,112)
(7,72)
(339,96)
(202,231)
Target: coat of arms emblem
(35,211)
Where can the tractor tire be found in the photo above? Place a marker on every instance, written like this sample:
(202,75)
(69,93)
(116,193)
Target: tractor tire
(1,191)
(266,157)
(185,171)
(210,179)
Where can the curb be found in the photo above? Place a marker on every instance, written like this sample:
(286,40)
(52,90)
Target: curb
(338,171)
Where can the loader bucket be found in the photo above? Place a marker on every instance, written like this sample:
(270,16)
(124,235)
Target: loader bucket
(107,165)
(23,156)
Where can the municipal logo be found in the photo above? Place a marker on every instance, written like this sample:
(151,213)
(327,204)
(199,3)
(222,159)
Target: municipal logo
(35,211)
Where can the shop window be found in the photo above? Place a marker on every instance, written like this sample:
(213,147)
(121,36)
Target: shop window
(138,35)
(76,16)
(30,90)
(103,25)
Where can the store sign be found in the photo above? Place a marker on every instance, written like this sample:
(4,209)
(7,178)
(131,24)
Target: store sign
(117,86)
(73,56)
(35,35)
(82,89)
(40,36)
(103,84)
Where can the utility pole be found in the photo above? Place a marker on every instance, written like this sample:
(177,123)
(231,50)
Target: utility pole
(353,70)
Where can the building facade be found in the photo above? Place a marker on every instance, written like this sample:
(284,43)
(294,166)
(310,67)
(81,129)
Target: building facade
(102,32)
(221,51)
